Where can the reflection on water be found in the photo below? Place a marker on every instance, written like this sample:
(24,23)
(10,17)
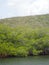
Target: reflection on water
(35,60)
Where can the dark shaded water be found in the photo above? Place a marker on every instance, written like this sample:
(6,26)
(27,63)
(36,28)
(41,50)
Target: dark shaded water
(35,60)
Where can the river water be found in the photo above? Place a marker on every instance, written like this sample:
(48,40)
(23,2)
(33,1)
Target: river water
(35,60)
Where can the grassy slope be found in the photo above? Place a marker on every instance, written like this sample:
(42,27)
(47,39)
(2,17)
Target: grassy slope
(28,21)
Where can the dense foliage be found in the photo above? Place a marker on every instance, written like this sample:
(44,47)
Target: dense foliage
(21,41)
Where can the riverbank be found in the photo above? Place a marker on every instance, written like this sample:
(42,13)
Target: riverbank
(23,42)
(23,56)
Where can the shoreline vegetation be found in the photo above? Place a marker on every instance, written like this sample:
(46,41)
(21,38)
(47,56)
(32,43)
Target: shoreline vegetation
(20,42)
(25,39)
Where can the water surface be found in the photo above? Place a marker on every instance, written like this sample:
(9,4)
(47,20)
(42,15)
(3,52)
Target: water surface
(35,60)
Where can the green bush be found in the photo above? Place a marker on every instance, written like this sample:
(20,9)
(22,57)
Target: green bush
(19,42)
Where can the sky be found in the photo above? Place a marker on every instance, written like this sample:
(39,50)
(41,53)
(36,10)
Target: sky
(13,8)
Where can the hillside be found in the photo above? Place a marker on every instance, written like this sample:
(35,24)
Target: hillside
(27,21)
(24,36)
